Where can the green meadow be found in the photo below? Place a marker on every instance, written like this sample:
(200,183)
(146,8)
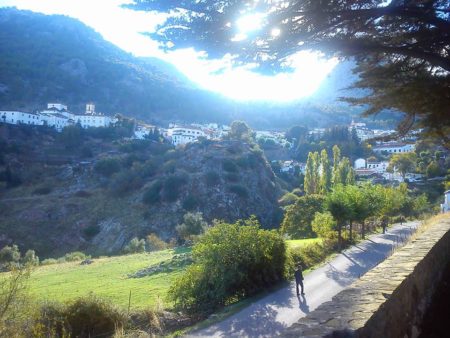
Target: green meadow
(108,278)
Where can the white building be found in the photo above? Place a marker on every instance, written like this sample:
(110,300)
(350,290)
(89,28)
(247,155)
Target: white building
(184,135)
(143,130)
(93,121)
(56,120)
(360,163)
(379,167)
(58,106)
(445,207)
(18,117)
(394,148)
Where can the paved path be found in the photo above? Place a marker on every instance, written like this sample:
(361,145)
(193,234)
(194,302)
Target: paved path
(270,315)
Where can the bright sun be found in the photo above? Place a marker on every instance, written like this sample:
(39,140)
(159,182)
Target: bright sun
(216,75)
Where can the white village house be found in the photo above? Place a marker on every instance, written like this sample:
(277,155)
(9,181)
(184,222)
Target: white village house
(184,134)
(57,115)
(445,207)
(394,147)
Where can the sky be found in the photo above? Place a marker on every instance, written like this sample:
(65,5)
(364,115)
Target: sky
(124,28)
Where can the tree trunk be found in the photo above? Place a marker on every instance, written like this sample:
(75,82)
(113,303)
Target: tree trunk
(363,229)
(339,237)
(351,231)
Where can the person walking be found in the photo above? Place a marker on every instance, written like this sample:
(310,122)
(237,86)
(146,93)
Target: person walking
(299,279)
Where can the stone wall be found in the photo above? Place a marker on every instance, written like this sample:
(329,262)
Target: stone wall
(391,299)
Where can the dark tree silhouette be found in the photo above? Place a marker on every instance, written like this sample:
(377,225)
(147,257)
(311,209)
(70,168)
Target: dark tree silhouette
(401,47)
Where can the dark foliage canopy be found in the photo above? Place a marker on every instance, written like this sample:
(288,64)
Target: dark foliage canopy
(401,46)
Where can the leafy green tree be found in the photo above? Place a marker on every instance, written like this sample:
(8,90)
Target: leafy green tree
(325,173)
(193,225)
(239,130)
(433,169)
(392,42)
(231,262)
(311,183)
(323,224)
(339,205)
(9,255)
(30,258)
(404,163)
(336,160)
(367,205)
(298,217)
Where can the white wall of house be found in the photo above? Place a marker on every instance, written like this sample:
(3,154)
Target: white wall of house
(17,117)
(395,148)
(360,163)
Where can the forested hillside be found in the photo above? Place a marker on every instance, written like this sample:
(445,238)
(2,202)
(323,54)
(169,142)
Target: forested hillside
(56,58)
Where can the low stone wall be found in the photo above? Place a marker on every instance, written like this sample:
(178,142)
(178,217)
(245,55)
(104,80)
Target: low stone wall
(388,301)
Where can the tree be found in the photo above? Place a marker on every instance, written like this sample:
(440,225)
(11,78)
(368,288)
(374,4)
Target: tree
(337,203)
(336,159)
(325,173)
(323,224)
(311,184)
(9,255)
(136,245)
(239,130)
(404,163)
(433,169)
(298,217)
(395,42)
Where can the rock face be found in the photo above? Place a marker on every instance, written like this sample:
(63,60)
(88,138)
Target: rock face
(64,204)
(226,180)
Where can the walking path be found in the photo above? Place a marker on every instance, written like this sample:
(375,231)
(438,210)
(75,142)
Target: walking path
(269,316)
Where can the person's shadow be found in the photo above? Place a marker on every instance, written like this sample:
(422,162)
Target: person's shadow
(303,304)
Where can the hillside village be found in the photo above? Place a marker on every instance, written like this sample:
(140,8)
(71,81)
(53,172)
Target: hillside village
(58,116)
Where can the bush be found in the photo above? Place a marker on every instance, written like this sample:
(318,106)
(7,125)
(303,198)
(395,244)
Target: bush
(75,256)
(152,194)
(239,190)
(309,255)
(193,225)
(231,177)
(190,203)
(9,255)
(85,317)
(212,178)
(91,231)
(288,199)
(231,262)
(172,185)
(154,243)
(43,190)
(125,182)
(49,261)
(229,166)
(30,258)
(136,245)
(107,166)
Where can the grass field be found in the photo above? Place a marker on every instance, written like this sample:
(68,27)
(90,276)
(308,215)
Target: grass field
(107,278)
(295,243)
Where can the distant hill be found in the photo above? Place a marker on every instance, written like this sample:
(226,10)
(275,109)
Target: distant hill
(56,58)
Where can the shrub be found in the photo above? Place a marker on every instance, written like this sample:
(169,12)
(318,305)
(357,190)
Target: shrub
(49,261)
(288,199)
(91,231)
(172,185)
(136,245)
(212,178)
(239,190)
(231,262)
(75,256)
(30,258)
(231,177)
(85,317)
(107,166)
(229,166)
(43,190)
(83,194)
(152,194)
(154,243)
(323,224)
(309,255)
(193,224)
(125,182)
(9,255)
(190,203)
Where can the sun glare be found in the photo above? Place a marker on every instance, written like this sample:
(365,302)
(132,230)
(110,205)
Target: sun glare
(216,75)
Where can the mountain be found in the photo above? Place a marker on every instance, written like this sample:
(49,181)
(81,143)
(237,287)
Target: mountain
(56,58)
